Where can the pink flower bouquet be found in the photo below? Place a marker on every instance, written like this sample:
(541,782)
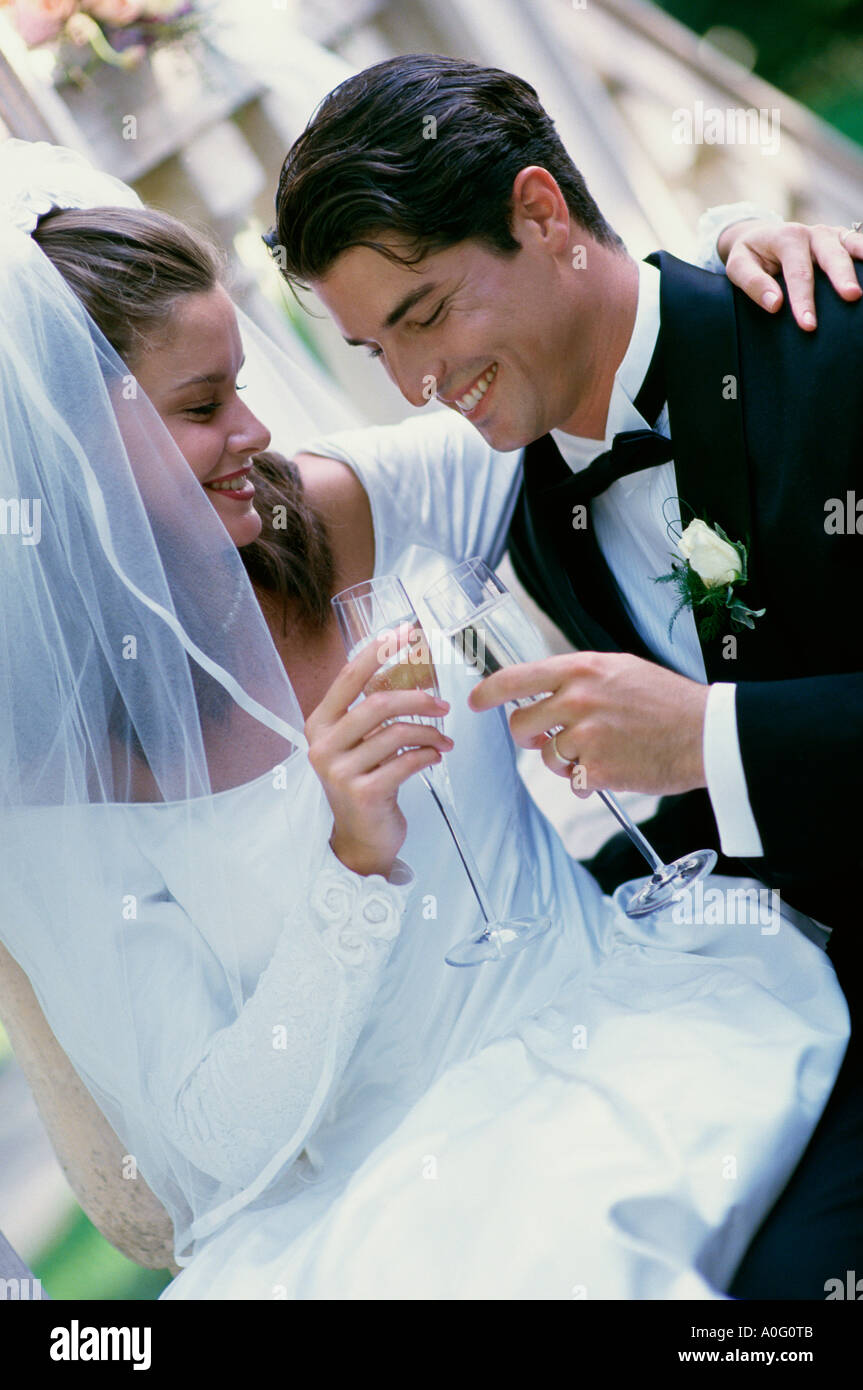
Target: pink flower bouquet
(119,32)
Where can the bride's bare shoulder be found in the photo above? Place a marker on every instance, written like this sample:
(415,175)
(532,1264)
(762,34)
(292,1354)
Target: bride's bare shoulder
(338,496)
(330,483)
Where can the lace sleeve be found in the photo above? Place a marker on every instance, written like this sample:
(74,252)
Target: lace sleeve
(260,1088)
(712,224)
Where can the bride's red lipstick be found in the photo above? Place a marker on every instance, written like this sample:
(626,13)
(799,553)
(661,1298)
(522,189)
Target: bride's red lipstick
(242,492)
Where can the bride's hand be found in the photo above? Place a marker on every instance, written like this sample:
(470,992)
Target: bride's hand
(754,251)
(359,764)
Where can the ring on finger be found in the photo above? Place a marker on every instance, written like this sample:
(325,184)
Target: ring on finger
(562,761)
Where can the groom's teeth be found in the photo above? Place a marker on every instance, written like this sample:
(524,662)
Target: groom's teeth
(470,399)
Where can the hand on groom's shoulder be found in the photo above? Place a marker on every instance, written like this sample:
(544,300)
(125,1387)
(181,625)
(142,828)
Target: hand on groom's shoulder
(776,265)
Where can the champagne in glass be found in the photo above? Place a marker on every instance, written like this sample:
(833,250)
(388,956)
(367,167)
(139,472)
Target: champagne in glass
(473,608)
(374,610)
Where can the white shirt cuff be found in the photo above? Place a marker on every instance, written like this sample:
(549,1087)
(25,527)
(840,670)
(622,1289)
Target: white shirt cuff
(712,224)
(726,779)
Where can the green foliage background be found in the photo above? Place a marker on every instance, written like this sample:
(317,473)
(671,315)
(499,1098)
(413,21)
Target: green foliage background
(79,1263)
(811,49)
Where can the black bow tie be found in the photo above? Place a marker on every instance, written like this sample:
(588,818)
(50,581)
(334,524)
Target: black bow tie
(630,452)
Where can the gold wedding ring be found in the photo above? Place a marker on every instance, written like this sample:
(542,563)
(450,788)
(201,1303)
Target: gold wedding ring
(572,765)
(564,762)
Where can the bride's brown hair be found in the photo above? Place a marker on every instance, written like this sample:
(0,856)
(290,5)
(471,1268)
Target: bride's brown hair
(130,268)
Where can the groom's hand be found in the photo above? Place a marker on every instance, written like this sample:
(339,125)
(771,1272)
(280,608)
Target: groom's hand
(754,251)
(631,725)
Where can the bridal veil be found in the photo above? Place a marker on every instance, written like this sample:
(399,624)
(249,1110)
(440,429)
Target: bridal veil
(139,686)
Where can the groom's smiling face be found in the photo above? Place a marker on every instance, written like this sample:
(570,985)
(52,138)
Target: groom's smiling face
(502,339)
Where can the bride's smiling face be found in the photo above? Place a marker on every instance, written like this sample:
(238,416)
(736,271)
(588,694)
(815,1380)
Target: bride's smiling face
(190,375)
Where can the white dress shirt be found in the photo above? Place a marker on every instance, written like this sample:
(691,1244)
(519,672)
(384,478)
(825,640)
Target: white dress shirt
(631,532)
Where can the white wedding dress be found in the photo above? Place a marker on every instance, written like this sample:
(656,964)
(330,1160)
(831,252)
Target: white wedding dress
(326,1108)
(608,1114)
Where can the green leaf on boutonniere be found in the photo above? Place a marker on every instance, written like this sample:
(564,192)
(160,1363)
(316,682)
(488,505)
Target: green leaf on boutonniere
(713,567)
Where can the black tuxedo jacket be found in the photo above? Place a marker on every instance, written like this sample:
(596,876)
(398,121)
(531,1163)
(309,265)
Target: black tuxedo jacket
(767,428)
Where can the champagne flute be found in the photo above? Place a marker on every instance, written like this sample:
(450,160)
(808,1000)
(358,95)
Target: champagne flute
(371,611)
(473,608)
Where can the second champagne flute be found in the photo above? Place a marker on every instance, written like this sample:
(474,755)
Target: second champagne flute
(372,611)
(473,608)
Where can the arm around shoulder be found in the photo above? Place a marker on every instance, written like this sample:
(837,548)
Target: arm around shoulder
(90,1154)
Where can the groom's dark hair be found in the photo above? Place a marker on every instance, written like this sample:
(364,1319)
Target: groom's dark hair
(423,147)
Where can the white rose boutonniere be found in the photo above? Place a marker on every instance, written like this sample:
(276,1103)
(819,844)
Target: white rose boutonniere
(714,559)
(713,568)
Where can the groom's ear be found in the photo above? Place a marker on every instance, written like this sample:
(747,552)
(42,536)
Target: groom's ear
(540,216)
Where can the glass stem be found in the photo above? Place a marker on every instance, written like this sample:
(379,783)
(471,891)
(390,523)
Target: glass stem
(642,844)
(632,831)
(439,786)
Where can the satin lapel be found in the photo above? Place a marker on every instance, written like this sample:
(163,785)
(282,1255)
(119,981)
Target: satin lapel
(573,562)
(703,386)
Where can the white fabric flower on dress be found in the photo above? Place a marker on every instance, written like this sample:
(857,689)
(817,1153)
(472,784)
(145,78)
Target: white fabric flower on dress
(359,915)
(334,897)
(36,176)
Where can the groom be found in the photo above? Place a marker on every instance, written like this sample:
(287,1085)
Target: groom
(434,211)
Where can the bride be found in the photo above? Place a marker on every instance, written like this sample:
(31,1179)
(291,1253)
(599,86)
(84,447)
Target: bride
(233,902)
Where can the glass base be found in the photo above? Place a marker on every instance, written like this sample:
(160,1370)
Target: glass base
(650,894)
(499,940)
